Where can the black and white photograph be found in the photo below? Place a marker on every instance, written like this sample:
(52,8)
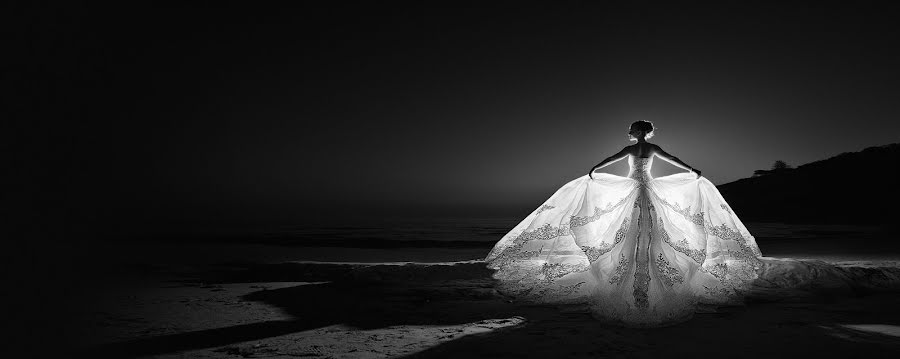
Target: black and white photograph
(488,179)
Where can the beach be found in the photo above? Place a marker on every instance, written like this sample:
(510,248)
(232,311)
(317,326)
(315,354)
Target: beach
(227,300)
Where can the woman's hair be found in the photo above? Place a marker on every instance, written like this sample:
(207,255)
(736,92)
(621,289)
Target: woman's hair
(644,126)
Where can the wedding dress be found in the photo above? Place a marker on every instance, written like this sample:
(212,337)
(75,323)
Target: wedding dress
(638,250)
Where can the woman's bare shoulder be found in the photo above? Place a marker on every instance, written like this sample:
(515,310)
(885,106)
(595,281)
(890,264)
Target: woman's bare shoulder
(658,150)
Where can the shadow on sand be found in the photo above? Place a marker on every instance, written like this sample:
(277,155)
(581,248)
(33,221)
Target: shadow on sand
(360,296)
(817,328)
(369,297)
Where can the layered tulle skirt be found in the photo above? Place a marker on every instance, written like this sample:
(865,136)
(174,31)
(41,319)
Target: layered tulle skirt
(640,253)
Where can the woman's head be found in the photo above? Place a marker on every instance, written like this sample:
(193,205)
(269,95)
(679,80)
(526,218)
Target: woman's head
(640,129)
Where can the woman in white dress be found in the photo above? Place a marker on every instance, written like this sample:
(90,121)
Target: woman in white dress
(640,251)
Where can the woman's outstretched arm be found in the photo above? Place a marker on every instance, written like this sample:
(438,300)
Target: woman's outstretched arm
(673,160)
(618,156)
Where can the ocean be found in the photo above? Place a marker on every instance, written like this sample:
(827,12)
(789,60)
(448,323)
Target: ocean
(463,238)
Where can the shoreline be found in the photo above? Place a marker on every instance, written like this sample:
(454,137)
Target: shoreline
(278,301)
(444,309)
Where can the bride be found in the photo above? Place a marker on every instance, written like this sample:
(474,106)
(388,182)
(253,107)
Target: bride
(638,250)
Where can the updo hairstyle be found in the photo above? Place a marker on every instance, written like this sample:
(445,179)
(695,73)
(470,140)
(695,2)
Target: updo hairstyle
(644,126)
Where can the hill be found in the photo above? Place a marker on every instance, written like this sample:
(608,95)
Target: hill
(850,188)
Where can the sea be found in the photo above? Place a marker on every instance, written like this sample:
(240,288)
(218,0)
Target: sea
(458,238)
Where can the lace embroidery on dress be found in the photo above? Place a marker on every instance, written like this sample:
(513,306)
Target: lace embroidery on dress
(562,291)
(670,274)
(593,253)
(544,233)
(718,292)
(575,221)
(544,208)
(698,255)
(641,283)
(639,171)
(513,253)
(718,270)
(619,272)
(725,208)
(553,271)
(696,218)
(623,229)
(724,232)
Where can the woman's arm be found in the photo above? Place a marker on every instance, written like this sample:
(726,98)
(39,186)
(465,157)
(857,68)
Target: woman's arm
(609,160)
(673,160)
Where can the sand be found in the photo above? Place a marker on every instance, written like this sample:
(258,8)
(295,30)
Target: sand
(323,309)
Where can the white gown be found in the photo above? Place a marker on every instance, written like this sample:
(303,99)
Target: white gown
(640,251)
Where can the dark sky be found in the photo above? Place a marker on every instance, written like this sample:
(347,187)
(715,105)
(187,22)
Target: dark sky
(132,117)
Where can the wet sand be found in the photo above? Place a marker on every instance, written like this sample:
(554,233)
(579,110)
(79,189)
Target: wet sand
(450,309)
(187,300)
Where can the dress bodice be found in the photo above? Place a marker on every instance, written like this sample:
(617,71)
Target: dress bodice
(639,168)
